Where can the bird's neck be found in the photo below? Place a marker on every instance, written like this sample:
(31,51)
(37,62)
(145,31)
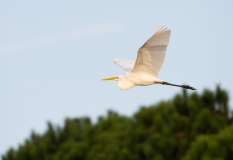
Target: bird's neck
(124,83)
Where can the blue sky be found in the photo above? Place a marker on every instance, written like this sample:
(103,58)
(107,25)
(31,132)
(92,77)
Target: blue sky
(53,55)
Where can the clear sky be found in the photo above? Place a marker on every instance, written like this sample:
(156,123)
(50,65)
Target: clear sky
(53,55)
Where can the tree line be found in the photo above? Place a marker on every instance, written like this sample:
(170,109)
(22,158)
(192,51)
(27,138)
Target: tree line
(186,127)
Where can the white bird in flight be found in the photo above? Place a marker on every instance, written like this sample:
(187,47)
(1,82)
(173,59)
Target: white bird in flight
(144,71)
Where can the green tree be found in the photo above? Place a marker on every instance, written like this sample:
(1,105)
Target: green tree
(212,147)
(188,127)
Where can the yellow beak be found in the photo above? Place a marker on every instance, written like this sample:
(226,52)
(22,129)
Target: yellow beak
(111,78)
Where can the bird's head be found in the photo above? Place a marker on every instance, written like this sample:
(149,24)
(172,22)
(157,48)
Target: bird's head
(116,78)
(123,83)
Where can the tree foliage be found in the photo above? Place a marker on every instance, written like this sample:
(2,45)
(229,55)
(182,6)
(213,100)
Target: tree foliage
(187,127)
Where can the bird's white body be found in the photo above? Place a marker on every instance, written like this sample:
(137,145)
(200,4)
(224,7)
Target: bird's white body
(131,79)
(144,71)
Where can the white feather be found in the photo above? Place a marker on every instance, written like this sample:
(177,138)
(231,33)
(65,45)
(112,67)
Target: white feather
(151,55)
(126,64)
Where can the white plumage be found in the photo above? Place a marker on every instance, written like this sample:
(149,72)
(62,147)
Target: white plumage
(126,64)
(144,71)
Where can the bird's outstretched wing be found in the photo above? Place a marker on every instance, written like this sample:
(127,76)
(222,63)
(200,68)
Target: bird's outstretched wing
(126,64)
(151,55)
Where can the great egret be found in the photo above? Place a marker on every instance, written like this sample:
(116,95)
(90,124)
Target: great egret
(149,60)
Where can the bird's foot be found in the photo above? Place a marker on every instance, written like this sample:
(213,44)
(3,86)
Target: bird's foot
(188,87)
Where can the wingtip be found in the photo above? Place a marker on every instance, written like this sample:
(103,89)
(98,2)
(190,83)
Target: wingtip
(157,29)
(116,59)
(162,29)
